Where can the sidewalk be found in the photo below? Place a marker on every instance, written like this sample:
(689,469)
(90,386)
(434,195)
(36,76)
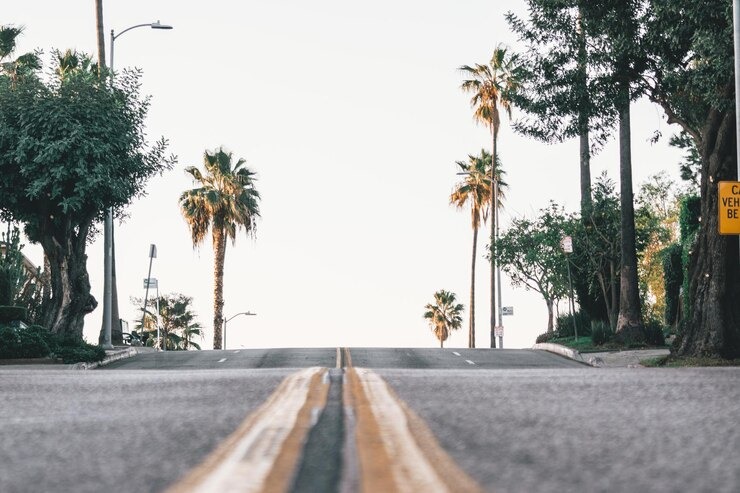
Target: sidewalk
(607,359)
(111,355)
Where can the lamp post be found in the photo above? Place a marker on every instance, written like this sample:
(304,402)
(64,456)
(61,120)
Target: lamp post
(232,317)
(108,227)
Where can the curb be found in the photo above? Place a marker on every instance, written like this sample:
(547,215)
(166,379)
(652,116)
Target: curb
(567,352)
(110,357)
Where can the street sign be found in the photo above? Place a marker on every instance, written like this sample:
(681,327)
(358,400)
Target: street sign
(507,310)
(729,207)
(498,331)
(567,244)
(150,283)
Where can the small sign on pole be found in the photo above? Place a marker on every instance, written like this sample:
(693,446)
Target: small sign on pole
(498,331)
(567,244)
(150,283)
(507,310)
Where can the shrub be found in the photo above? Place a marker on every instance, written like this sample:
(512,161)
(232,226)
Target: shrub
(601,333)
(564,324)
(546,337)
(654,333)
(80,353)
(12,313)
(37,342)
(21,343)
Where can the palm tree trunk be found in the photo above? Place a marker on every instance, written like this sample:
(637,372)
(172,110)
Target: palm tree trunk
(494,198)
(629,322)
(219,251)
(471,331)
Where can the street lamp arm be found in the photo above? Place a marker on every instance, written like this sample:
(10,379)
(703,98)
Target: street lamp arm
(240,313)
(153,25)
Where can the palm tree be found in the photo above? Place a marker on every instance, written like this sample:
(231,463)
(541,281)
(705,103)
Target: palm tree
(444,315)
(490,85)
(476,189)
(225,202)
(176,322)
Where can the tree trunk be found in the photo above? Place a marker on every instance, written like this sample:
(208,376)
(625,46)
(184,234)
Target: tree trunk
(583,111)
(64,311)
(471,331)
(712,325)
(100,34)
(494,200)
(219,254)
(629,322)
(550,325)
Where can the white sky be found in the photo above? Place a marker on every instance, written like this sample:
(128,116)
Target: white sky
(351,114)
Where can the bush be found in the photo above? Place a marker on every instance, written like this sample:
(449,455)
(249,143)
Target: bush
(654,333)
(546,337)
(564,324)
(37,342)
(21,343)
(601,333)
(12,313)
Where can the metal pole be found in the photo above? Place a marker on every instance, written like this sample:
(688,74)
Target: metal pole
(146,293)
(159,315)
(108,256)
(499,308)
(225,334)
(571,305)
(736,22)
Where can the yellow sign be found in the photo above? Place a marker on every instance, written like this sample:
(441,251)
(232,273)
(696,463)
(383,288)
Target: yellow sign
(729,207)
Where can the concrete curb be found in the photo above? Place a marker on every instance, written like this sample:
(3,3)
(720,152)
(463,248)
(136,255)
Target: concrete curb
(110,357)
(566,352)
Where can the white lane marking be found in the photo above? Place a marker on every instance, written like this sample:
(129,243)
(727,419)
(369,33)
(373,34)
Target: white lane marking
(250,459)
(222,360)
(236,352)
(469,362)
(455,353)
(339,358)
(411,469)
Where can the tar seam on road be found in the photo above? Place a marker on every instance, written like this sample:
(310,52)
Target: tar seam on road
(261,455)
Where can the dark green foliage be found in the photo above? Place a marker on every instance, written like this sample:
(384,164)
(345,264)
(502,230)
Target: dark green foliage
(37,342)
(654,335)
(689,219)
(12,313)
(564,324)
(601,333)
(673,278)
(547,337)
(16,343)
(691,165)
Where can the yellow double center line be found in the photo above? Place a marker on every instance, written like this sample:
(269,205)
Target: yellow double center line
(396,451)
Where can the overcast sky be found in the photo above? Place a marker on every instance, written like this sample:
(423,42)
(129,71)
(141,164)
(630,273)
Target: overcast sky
(352,117)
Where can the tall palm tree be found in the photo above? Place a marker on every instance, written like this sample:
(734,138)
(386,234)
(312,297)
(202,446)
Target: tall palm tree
(491,85)
(476,189)
(225,202)
(444,315)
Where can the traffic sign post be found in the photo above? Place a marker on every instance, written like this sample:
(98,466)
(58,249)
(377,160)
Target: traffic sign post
(567,245)
(729,207)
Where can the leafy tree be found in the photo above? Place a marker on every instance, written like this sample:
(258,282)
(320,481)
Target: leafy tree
(176,321)
(23,64)
(476,189)
(530,253)
(560,97)
(596,253)
(689,47)
(492,85)
(225,202)
(70,148)
(444,315)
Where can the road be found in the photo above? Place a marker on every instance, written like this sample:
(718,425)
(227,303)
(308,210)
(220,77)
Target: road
(324,420)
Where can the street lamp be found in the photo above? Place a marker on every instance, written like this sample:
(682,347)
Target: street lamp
(232,317)
(108,227)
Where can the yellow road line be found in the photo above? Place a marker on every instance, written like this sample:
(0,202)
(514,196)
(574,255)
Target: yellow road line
(261,455)
(396,450)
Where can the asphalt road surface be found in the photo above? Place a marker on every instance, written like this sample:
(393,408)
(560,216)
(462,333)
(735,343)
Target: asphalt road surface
(498,420)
